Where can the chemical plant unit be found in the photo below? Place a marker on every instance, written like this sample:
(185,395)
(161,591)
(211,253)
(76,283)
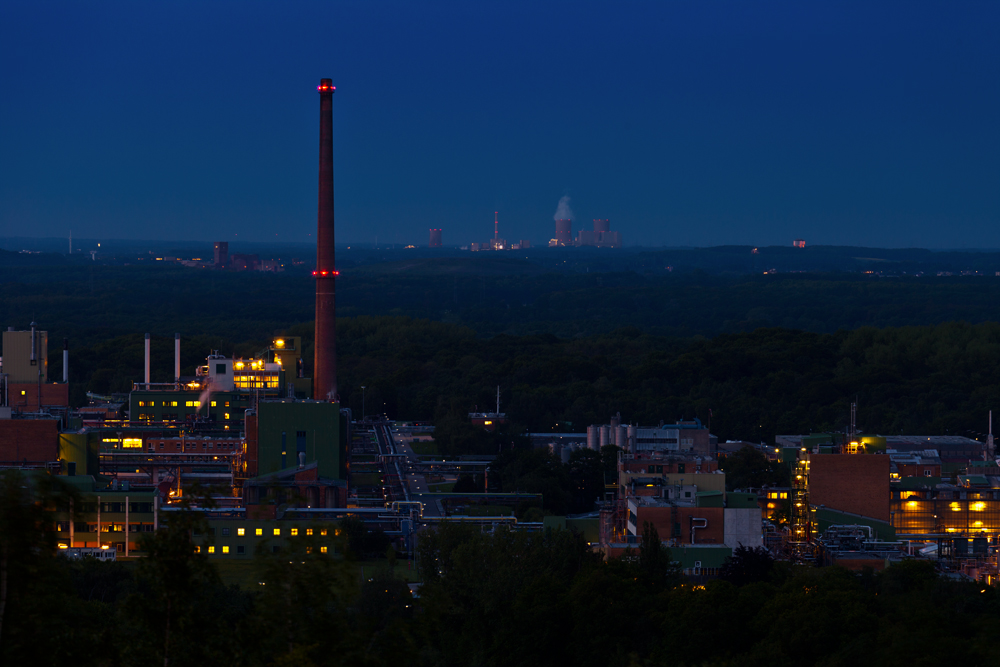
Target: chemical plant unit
(268,445)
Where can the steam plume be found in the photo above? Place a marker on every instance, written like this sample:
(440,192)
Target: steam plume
(563,212)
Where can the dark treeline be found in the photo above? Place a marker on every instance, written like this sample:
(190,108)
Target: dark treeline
(506,599)
(90,303)
(917,380)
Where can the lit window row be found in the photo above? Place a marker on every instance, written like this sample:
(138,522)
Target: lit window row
(259,532)
(174,404)
(241,549)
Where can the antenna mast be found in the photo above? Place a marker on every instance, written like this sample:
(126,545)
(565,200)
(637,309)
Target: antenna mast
(990,453)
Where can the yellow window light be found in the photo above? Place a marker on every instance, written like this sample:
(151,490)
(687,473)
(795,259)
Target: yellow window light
(225,550)
(241,531)
(277,532)
(279,343)
(260,531)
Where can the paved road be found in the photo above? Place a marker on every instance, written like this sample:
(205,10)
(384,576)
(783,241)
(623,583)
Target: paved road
(417,483)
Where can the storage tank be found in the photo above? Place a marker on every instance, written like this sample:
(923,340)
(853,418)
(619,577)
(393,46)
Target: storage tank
(564,454)
(593,437)
(621,437)
(605,436)
(631,439)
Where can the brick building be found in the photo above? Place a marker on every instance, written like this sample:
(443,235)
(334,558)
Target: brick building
(856,483)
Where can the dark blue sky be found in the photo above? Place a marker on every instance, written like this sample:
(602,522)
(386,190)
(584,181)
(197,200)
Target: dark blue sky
(685,123)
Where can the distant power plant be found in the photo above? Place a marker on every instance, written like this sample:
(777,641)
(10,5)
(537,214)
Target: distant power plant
(497,243)
(564,233)
(600,237)
(799,243)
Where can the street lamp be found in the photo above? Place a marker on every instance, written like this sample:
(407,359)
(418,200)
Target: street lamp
(362,403)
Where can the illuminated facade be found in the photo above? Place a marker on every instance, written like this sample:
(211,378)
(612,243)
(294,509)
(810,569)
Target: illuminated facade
(944,509)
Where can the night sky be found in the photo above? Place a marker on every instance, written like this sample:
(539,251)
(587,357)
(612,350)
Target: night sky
(685,123)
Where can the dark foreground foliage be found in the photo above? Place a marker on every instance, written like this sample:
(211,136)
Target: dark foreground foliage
(502,599)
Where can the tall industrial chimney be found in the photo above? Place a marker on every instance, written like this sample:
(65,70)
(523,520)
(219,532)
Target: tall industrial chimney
(147,361)
(65,359)
(177,357)
(325,361)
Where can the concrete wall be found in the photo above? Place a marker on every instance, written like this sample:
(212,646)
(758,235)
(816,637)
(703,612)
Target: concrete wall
(743,527)
(857,483)
(17,356)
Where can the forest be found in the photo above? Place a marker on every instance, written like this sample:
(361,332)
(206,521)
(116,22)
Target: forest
(929,380)
(507,598)
(492,295)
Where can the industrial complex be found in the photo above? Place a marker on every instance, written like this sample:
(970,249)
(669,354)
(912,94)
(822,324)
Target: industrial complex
(267,453)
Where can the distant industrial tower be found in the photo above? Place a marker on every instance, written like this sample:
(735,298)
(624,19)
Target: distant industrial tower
(602,236)
(435,238)
(221,254)
(564,233)
(325,360)
(799,243)
(498,243)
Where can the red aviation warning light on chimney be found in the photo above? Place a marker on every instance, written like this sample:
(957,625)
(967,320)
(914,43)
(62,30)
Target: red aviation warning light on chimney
(325,361)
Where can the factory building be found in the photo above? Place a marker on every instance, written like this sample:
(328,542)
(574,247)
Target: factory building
(24,374)
(600,237)
(221,254)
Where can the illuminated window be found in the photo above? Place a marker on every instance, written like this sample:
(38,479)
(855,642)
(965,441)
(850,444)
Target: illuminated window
(132,443)
(142,404)
(211,550)
(322,550)
(213,404)
(277,531)
(23,392)
(225,550)
(309,550)
(295,532)
(227,404)
(227,415)
(309,531)
(323,532)
(173,404)
(197,550)
(241,531)
(260,531)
